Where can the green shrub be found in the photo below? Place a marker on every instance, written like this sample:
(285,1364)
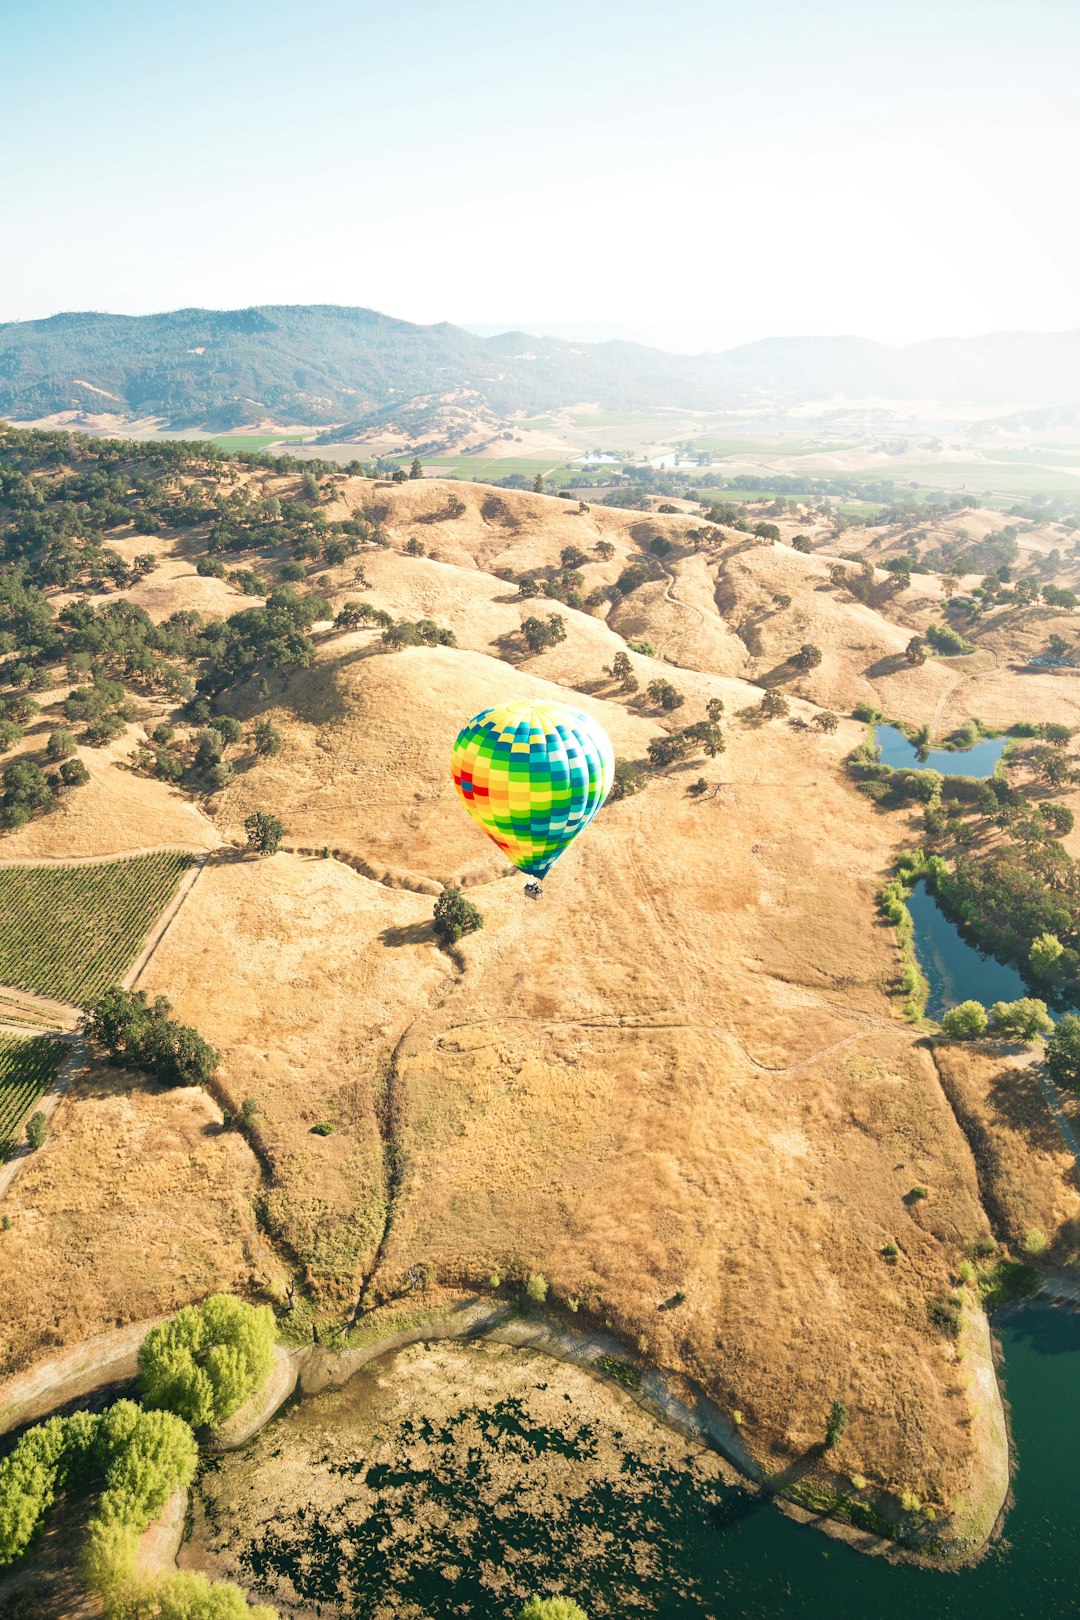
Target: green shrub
(207,1361)
(323,1128)
(536,1287)
(867,713)
(965,1022)
(623,1372)
(557,1608)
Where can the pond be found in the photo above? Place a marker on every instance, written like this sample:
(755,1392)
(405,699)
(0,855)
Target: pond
(452,1479)
(955,969)
(902,755)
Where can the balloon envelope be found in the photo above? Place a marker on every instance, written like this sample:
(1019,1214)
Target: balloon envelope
(532,775)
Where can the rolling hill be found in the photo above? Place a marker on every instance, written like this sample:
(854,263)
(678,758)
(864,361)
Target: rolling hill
(325,365)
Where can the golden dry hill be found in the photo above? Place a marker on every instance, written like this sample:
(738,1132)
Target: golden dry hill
(682,1089)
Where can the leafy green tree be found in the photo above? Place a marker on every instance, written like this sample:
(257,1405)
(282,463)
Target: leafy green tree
(664,695)
(965,1022)
(667,750)
(264,832)
(1045,955)
(807,657)
(227,727)
(827,721)
(206,1362)
(73,773)
(1025,1018)
(604,550)
(37,1128)
(137,1035)
(915,651)
(267,739)
(1063,1052)
(416,470)
(61,744)
(555,1608)
(714,710)
(627,780)
(542,633)
(773,706)
(455,916)
(189,1595)
(538,484)
(767,531)
(801,543)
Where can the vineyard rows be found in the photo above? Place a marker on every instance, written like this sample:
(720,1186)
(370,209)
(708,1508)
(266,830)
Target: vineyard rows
(27,1067)
(72,931)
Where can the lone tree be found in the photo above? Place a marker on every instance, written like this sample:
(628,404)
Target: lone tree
(827,721)
(267,739)
(264,832)
(773,706)
(915,651)
(37,1128)
(807,657)
(1063,1052)
(542,633)
(664,695)
(538,484)
(416,470)
(801,543)
(455,916)
(834,1428)
(628,780)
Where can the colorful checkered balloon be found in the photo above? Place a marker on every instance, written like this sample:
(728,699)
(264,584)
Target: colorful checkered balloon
(532,775)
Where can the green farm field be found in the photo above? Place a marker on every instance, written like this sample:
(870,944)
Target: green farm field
(27,1067)
(72,931)
(254,441)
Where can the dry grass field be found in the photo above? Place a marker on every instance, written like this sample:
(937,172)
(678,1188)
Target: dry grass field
(681,1088)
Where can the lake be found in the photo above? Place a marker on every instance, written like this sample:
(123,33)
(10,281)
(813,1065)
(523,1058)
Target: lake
(452,1479)
(902,755)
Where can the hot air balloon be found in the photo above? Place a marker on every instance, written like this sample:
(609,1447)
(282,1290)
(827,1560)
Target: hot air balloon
(532,775)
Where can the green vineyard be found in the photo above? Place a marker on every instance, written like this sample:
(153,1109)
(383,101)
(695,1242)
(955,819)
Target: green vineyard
(72,931)
(27,1066)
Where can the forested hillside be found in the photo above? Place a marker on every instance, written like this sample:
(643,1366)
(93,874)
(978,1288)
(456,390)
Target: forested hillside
(325,364)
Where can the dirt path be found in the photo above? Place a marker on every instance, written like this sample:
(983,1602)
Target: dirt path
(161,926)
(103,860)
(26,1006)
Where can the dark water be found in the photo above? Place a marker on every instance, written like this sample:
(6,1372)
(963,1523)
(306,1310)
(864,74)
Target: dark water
(900,754)
(955,969)
(664,1542)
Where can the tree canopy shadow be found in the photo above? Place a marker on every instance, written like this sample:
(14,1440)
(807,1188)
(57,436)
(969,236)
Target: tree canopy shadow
(417,933)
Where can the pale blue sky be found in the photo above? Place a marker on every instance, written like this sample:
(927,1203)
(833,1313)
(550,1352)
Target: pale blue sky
(701,173)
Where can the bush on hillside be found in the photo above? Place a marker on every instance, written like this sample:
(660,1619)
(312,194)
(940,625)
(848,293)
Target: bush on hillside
(455,916)
(205,1363)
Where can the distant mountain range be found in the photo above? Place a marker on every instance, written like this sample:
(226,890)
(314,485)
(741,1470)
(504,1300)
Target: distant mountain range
(325,364)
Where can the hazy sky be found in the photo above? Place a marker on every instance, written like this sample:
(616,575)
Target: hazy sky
(700,172)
